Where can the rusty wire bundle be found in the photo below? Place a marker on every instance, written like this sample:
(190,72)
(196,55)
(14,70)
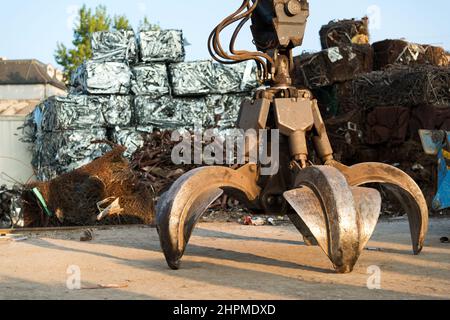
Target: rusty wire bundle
(243,14)
(403,86)
(73,197)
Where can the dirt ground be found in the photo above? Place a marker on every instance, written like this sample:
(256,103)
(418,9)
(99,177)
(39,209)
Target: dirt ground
(223,261)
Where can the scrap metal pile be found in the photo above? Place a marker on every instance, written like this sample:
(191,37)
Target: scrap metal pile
(376,97)
(133,85)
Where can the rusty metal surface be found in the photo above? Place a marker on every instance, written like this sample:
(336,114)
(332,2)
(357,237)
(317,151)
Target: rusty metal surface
(408,191)
(340,218)
(181,207)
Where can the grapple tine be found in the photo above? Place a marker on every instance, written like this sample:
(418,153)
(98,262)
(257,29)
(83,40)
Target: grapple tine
(340,218)
(180,208)
(403,185)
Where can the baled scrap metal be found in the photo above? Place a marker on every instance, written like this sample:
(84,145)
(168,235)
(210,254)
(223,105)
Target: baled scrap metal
(102,78)
(156,112)
(387,125)
(428,117)
(116,110)
(390,52)
(72,199)
(63,151)
(226,109)
(71,112)
(11,213)
(192,78)
(172,113)
(131,138)
(403,86)
(118,45)
(32,124)
(333,65)
(235,78)
(161,46)
(344,33)
(150,79)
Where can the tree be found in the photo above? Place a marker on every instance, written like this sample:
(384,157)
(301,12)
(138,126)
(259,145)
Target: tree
(88,22)
(146,25)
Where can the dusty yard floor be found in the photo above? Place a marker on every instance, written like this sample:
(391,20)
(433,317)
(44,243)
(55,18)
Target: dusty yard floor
(224,261)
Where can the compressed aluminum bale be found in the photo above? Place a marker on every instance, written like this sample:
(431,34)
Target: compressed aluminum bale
(71,112)
(172,113)
(235,78)
(226,109)
(150,79)
(119,46)
(64,151)
(102,78)
(32,124)
(156,112)
(192,78)
(333,65)
(161,46)
(11,207)
(131,138)
(115,110)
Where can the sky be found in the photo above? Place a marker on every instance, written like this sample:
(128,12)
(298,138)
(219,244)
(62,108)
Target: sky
(31,28)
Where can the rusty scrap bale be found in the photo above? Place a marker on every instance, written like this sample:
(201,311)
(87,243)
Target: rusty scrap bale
(344,33)
(73,197)
(389,52)
(387,125)
(402,86)
(332,65)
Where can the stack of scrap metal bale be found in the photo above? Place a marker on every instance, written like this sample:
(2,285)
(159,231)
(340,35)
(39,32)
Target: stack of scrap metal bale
(133,85)
(376,97)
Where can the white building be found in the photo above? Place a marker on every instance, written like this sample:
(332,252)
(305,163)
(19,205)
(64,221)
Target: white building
(23,85)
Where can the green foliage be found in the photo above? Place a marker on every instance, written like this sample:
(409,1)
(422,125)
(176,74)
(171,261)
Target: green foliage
(88,22)
(146,25)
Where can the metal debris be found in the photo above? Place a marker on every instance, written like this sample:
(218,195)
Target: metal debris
(74,196)
(235,78)
(403,86)
(131,138)
(88,235)
(161,46)
(173,113)
(333,65)
(58,152)
(205,77)
(389,52)
(192,78)
(72,112)
(150,79)
(102,78)
(115,110)
(11,214)
(118,45)
(344,32)
(226,109)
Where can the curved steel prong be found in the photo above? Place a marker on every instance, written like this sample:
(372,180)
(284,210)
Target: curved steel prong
(340,218)
(179,209)
(407,190)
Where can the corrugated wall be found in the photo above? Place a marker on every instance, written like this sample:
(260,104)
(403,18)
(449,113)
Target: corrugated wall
(15,158)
